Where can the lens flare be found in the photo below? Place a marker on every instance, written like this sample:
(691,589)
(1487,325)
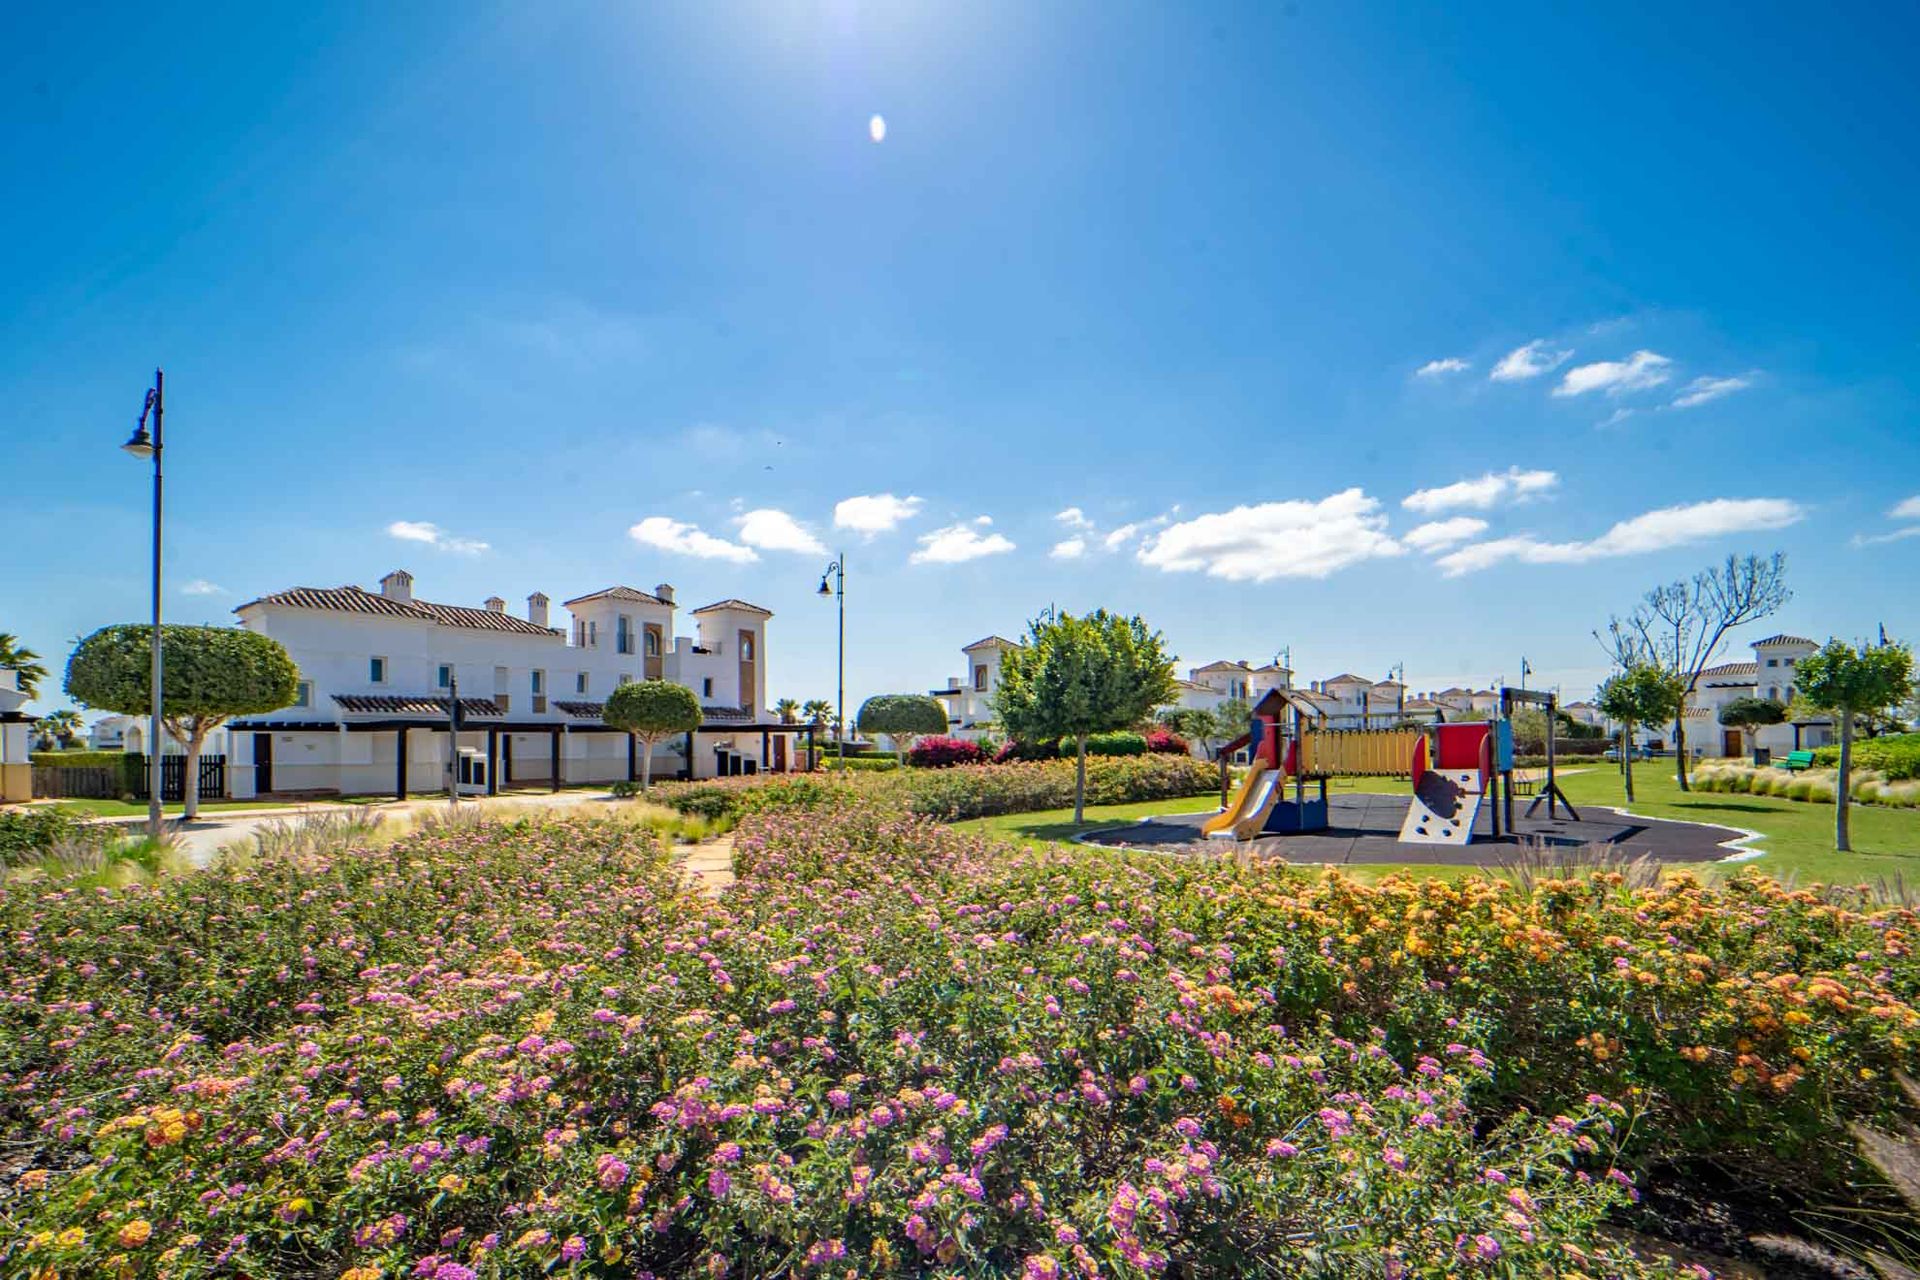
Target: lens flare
(877,129)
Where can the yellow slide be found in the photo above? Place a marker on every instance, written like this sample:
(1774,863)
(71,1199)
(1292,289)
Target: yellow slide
(1255,795)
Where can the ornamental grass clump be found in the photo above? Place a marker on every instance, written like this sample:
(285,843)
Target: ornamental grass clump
(889,1048)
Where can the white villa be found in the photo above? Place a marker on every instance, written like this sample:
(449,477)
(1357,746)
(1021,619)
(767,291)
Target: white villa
(16,733)
(1771,676)
(378,670)
(969,698)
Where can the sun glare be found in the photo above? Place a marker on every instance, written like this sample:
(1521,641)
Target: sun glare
(877,128)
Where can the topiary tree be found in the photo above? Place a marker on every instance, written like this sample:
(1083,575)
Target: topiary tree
(1080,676)
(211,674)
(902,717)
(1850,683)
(1752,713)
(652,710)
(1644,693)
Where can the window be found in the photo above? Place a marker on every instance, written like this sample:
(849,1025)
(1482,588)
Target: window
(706,686)
(444,677)
(623,634)
(980,677)
(1774,693)
(377,670)
(1773,662)
(303,694)
(653,643)
(593,633)
(537,681)
(580,683)
(1791,661)
(746,646)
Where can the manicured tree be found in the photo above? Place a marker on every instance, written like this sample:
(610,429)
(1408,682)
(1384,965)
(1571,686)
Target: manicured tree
(211,675)
(1850,683)
(652,710)
(1752,713)
(24,661)
(788,710)
(1079,676)
(902,717)
(1642,694)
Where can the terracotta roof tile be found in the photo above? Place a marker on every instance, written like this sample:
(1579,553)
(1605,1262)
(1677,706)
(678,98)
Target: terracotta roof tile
(740,605)
(352,599)
(1783,639)
(990,641)
(633,594)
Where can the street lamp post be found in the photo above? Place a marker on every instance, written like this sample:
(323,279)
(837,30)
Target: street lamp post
(837,571)
(143,445)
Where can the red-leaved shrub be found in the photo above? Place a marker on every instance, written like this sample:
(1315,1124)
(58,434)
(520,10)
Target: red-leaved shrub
(942,752)
(1166,741)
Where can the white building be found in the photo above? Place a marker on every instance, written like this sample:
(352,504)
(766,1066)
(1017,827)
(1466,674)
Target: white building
(16,733)
(969,698)
(1771,675)
(378,668)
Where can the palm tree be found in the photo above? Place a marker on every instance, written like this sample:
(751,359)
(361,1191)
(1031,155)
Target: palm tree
(63,726)
(24,661)
(788,710)
(818,711)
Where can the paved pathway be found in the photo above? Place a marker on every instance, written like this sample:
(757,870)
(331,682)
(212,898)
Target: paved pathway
(708,864)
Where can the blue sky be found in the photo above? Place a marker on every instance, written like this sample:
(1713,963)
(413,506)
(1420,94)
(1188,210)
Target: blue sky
(1377,334)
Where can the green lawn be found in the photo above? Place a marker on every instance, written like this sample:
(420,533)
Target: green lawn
(1798,839)
(138,808)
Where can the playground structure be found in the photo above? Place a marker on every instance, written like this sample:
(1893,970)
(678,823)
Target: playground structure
(1457,771)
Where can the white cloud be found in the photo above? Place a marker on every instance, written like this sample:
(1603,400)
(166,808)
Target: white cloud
(1705,390)
(1439,534)
(1637,372)
(1906,509)
(1898,535)
(960,542)
(1073,518)
(1069,549)
(1293,539)
(1529,361)
(1618,416)
(1651,531)
(201,587)
(874,513)
(1439,368)
(432,535)
(667,534)
(1513,484)
(772,529)
(1114,539)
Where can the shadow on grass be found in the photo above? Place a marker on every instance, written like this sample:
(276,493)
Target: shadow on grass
(1725,806)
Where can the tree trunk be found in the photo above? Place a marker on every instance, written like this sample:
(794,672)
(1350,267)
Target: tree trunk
(190,792)
(1080,779)
(646,765)
(1626,758)
(1680,750)
(1843,789)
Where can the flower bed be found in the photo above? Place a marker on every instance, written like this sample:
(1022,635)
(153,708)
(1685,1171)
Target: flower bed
(894,1049)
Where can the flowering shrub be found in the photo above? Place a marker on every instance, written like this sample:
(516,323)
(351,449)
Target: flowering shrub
(1167,742)
(982,791)
(1014,749)
(517,1050)
(943,752)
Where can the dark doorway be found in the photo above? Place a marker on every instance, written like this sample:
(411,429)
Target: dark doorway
(262,764)
(780,753)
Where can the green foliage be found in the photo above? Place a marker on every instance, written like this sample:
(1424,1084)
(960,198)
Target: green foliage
(986,791)
(79,759)
(901,716)
(1897,755)
(1124,743)
(1752,713)
(652,709)
(24,661)
(1642,694)
(29,833)
(211,673)
(1077,676)
(1843,679)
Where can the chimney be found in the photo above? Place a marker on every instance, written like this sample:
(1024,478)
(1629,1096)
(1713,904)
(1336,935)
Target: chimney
(397,585)
(537,608)
(664,591)
(496,605)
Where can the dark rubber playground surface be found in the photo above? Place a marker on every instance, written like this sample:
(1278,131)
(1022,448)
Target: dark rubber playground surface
(1365,828)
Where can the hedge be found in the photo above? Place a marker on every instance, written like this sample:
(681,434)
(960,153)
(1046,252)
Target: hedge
(1896,755)
(77,759)
(28,833)
(1108,744)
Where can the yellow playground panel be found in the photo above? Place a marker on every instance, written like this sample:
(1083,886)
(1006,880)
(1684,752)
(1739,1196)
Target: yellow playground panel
(1357,753)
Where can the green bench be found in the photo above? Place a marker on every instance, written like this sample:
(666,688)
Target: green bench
(1795,761)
